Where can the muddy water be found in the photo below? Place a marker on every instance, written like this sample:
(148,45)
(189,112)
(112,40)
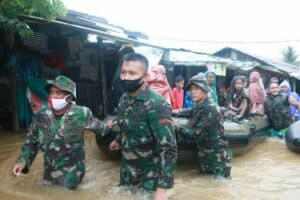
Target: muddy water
(268,171)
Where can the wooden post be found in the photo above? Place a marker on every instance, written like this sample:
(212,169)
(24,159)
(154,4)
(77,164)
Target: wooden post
(13,79)
(102,77)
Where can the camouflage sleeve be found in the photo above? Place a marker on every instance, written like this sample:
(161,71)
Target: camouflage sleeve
(118,137)
(30,147)
(163,130)
(201,127)
(184,112)
(95,125)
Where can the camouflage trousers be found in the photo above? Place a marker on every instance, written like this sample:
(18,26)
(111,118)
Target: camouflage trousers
(140,174)
(68,176)
(216,160)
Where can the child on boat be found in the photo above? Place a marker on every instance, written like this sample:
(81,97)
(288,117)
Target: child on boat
(237,100)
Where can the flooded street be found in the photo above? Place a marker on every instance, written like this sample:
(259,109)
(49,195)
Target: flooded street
(268,171)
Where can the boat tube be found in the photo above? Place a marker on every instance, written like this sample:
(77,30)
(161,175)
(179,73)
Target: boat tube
(242,136)
(292,137)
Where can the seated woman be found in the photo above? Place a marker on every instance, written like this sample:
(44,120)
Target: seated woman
(285,89)
(277,109)
(211,79)
(256,93)
(207,131)
(237,100)
(159,83)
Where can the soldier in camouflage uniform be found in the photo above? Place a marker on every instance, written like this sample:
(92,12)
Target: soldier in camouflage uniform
(207,132)
(277,109)
(58,132)
(147,139)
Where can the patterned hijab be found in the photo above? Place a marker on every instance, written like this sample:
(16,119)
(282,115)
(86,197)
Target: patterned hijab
(256,88)
(213,87)
(159,82)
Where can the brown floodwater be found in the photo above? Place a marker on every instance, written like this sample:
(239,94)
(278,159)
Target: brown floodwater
(268,171)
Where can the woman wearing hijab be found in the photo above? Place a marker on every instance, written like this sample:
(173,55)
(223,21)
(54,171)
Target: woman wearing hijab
(256,93)
(159,83)
(285,89)
(211,79)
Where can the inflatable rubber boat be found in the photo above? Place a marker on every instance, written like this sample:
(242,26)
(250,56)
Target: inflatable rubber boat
(242,136)
(292,137)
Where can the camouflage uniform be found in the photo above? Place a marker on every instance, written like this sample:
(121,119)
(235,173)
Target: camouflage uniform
(278,112)
(61,140)
(147,140)
(214,155)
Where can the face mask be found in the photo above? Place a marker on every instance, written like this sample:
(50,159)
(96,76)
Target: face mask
(132,85)
(58,104)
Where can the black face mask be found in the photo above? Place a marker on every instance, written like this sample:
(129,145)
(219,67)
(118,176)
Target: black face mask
(132,85)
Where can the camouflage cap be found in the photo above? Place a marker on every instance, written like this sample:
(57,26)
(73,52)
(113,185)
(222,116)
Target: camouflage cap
(199,80)
(64,83)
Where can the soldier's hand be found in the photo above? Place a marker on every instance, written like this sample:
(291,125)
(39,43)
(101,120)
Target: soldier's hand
(176,125)
(110,123)
(175,112)
(18,168)
(114,145)
(160,194)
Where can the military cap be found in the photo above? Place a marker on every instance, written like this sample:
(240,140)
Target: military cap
(63,83)
(199,80)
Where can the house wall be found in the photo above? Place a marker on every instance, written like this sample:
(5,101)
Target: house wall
(58,51)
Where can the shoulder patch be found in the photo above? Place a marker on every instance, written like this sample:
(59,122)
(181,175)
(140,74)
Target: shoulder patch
(163,121)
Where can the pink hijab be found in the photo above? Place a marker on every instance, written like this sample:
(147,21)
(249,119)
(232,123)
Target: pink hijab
(158,82)
(256,88)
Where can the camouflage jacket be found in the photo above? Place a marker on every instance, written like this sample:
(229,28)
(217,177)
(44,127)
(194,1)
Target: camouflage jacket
(147,139)
(278,111)
(61,140)
(207,126)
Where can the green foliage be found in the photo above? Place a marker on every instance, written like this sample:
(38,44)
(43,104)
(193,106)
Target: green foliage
(290,56)
(11,9)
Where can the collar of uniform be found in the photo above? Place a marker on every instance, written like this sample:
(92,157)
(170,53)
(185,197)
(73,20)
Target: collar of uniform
(204,103)
(71,109)
(143,94)
(273,97)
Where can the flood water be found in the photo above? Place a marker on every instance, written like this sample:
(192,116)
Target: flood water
(268,171)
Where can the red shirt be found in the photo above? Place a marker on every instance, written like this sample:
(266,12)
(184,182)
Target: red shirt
(178,95)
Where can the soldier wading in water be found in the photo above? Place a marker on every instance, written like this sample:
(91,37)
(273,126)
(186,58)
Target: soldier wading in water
(207,132)
(146,140)
(58,132)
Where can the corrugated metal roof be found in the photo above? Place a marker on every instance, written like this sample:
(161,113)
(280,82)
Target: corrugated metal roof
(106,34)
(188,58)
(279,65)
